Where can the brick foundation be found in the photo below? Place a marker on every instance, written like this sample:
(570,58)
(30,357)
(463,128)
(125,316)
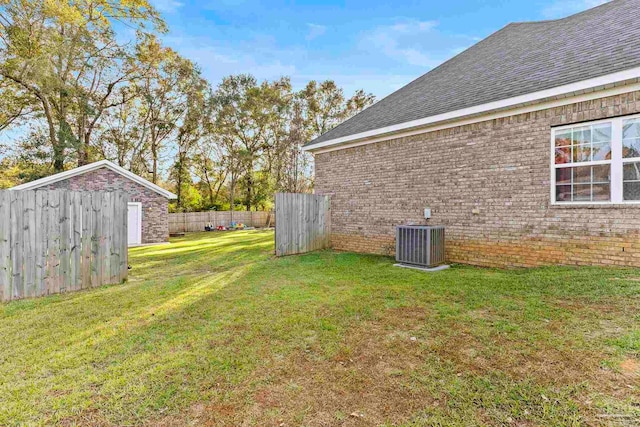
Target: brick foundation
(488,183)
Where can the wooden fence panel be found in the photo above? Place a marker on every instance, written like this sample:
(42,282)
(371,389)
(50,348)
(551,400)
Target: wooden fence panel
(106,240)
(17,287)
(40,254)
(5,245)
(96,200)
(29,236)
(76,241)
(55,241)
(52,259)
(196,221)
(86,241)
(64,241)
(302,223)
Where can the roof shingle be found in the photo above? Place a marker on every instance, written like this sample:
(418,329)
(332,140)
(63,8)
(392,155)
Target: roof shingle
(519,59)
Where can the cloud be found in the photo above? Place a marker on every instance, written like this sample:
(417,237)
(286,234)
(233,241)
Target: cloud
(413,42)
(380,84)
(563,8)
(258,56)
(315,31)
(167,6)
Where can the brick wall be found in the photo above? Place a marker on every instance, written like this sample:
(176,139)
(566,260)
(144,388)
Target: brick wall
(488,183)
(155,208)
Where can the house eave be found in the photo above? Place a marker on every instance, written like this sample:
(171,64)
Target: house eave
(608,85)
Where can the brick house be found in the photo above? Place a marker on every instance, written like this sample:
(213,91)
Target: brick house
(148,203)
(526,146)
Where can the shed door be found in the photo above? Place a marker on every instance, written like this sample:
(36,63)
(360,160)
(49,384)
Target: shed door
(135,223)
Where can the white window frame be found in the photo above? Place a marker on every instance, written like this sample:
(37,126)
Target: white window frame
(616,162)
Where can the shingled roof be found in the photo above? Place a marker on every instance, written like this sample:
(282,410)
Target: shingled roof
(519,59)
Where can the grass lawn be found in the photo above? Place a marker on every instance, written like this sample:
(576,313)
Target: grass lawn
(213,330)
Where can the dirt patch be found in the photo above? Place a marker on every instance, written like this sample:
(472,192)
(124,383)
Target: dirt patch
(394,368)
(630,367)
(87,418)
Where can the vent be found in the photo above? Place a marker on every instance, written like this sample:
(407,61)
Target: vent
(420,245)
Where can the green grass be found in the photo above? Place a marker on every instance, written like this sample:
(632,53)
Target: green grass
(213,330)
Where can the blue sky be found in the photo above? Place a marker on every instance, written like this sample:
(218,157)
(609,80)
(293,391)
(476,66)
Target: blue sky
(378,46)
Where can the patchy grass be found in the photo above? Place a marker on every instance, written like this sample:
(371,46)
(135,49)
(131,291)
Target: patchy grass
(212,330)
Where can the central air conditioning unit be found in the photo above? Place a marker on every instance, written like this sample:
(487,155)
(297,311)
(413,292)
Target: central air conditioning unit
(420,246)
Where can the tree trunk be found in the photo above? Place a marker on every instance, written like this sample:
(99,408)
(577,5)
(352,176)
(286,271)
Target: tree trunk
(217,193)
(232,194)
(179,187)
(154,167)
(83,155)
(249,197)
(58,158)
(209,188)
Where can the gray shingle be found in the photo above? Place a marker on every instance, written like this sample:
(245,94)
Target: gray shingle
(520,58)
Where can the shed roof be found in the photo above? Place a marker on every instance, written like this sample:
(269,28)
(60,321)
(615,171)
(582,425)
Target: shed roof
(91,167)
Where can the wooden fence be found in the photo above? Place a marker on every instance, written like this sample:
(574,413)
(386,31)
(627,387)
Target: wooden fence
(196,221)
(303,223)
(54,241)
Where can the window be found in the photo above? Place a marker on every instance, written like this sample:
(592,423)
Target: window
(583,163)
(597,162)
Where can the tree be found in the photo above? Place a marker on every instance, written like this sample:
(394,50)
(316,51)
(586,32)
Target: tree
(244,114)
(65,58)
(15,105)
(291,166)
(120,137)
(325,106)
(165,114)
(163,96)
(209,167)
(192,128)
(87,95)
(313,111)
(262,127)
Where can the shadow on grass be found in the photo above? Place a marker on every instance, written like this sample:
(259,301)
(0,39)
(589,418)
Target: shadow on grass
(63,342)
(213,317)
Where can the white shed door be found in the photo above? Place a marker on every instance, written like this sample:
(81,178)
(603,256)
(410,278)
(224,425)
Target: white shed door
(135,223)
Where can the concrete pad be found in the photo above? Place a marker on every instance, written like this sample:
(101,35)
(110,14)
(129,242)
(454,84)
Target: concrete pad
(426,269)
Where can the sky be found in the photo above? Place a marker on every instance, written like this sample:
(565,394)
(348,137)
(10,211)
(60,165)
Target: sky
(375,45)
(378,46)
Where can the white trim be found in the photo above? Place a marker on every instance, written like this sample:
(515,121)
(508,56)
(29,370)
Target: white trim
(588,123)
(139,234)
(562,95)
(590,163)
(91,167)
(617,195)
(616,162)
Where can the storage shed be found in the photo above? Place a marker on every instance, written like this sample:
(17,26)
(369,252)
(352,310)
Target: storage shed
(148,203)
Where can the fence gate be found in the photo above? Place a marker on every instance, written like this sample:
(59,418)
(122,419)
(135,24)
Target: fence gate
(303,223)
(54,241)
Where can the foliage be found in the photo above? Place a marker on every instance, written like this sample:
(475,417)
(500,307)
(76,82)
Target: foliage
(63,59)
(261,128)
(80,92)
(212,330)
